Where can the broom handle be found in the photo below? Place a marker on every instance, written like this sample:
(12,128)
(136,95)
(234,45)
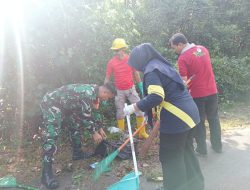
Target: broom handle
(143,150)
(135,133)
(189,80)
(132,144)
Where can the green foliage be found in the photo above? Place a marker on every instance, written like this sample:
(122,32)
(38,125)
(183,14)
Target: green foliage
(232,76)
(69,41)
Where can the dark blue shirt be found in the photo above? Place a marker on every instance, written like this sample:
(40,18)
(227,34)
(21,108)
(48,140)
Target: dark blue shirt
(176,96)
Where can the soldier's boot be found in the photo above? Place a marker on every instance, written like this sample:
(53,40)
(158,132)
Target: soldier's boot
(121,124)
(142,133)
(48,179)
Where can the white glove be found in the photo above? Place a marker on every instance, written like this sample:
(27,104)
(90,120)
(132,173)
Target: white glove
(128,110)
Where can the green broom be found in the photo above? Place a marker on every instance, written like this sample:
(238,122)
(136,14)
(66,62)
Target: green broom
(104,164)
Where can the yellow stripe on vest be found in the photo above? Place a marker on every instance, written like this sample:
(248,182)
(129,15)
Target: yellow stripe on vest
(156,89)
(178,113)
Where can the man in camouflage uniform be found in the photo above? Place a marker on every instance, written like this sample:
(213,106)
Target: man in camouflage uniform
(73,104)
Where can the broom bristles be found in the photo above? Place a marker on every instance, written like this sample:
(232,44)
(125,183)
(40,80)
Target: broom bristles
(104,165)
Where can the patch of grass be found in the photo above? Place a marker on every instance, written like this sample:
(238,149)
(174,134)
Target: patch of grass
(153,173)
(235,117)
(77,177)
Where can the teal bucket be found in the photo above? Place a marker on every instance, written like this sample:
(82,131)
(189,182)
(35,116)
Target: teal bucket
(130,181)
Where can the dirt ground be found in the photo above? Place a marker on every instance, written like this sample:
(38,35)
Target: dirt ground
(228,170)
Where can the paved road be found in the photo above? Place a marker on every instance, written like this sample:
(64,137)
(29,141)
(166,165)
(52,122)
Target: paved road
(229,170)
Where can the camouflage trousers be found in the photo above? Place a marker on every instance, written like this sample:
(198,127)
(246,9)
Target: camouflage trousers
(53,117)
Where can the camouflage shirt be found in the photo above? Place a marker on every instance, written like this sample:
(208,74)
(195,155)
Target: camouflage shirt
(75,101)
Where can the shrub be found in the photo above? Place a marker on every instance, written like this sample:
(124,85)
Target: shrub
(232,76)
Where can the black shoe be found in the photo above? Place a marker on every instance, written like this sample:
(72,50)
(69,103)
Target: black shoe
(80,155)
(48,178)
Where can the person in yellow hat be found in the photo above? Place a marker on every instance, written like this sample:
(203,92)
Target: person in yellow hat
(124,76)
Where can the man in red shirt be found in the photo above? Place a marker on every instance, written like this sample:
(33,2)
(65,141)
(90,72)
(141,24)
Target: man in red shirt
(124,83)
(194,63)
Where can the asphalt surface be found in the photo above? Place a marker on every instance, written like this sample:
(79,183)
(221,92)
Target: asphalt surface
(229,170)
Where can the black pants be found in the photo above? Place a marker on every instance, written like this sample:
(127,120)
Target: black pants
(208,108)
(181,169)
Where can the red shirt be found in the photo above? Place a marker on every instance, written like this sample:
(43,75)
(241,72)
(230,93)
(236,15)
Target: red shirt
(196,61)
(123,73)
